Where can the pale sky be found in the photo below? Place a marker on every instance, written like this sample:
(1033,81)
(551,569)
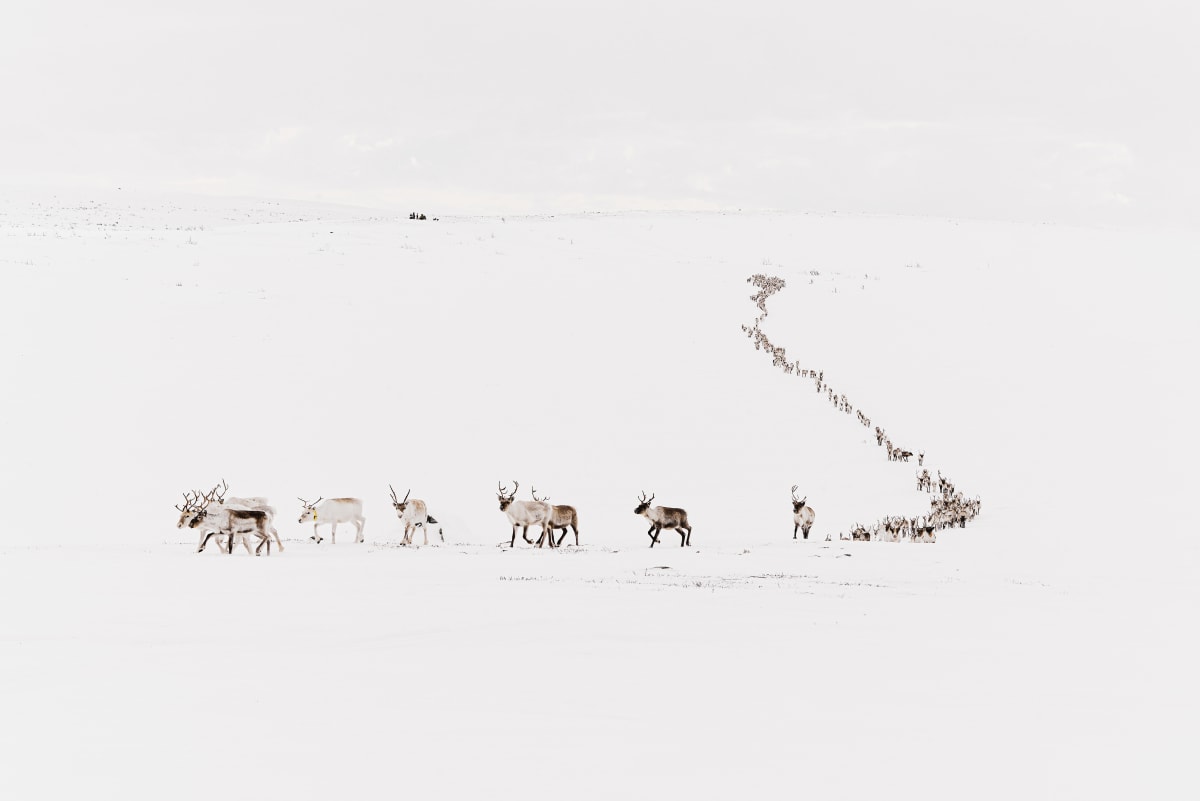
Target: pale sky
(1073,112)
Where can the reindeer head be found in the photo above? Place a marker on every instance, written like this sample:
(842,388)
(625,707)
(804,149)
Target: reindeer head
(199,506)
(398,504)
(309,512)
(505,497)
(643,504)
(797,503)
(192,512)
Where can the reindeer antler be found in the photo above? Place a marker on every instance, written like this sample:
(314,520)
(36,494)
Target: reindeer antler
(396,500)
(533,492)
(794,488)
(187,503)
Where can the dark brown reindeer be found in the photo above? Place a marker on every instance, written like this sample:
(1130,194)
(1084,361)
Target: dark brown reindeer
(804,516)
(661,517)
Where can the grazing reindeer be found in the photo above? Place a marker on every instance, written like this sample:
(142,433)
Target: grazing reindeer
(334,511)
(561,517)
(413,515)
(661,517)
(523,514)
(804,516)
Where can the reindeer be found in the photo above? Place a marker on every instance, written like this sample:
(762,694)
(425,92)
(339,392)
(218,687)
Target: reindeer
(804,516)
(254,503)
(226,519)
(413,515)
(195,514)
(334,511)
(523,514)
(661,517)
(560,518)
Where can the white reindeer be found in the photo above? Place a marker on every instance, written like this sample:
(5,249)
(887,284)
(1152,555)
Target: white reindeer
(523,514)
(332,512)
(413,514)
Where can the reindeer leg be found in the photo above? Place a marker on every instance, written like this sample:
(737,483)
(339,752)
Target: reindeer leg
(513,542)
(794,530)
(333,534)
(561,537)
(525,535)
(278,542)
(689,537)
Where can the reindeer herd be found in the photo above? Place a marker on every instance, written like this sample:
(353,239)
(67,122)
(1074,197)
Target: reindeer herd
(948,506)
(233,521)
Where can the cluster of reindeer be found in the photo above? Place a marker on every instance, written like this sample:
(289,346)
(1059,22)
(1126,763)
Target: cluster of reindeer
(232,521)
(949,507)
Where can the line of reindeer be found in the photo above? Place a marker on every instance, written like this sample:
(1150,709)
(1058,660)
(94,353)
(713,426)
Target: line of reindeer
(230,522)
(948,506)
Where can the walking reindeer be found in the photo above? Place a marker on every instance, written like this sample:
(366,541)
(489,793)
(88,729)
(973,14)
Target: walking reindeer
(413,514)
(661,517)
(523,514)
(232,519)
(802,515)
(561,517)
(334,511)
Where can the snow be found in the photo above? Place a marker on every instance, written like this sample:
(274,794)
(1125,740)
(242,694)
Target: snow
(153,345)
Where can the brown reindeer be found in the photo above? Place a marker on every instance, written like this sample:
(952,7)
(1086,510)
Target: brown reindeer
(661,517)
(561,517)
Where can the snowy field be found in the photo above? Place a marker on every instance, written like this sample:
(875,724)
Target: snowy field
(154,345)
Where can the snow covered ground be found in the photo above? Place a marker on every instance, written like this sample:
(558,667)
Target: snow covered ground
(153,345)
